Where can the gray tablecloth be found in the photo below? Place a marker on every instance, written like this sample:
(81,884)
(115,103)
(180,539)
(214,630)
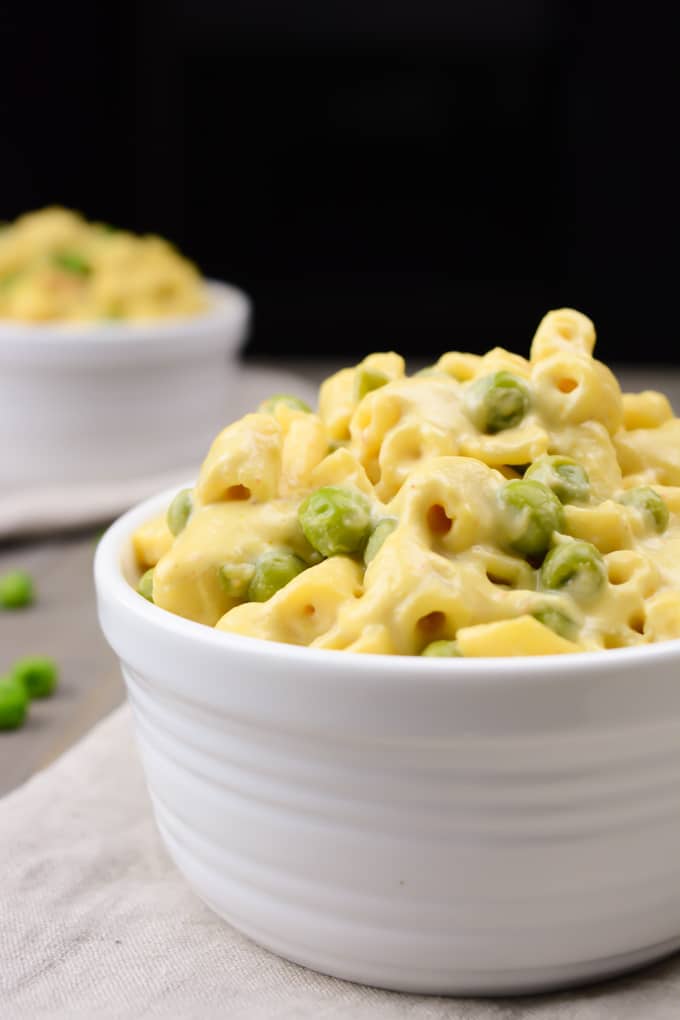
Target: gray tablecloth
(96,922)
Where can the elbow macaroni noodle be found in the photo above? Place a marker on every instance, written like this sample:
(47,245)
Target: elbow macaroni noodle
(516,507)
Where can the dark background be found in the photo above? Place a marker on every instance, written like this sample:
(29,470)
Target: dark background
(409,175)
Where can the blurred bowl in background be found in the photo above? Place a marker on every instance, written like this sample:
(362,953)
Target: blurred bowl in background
(91,404)
(467,826)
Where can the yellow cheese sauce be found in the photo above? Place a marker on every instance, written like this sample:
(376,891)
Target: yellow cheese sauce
(487,506)
(57,267)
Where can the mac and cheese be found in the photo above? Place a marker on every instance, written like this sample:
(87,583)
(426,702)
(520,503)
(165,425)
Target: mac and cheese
(489,505)
(55,266)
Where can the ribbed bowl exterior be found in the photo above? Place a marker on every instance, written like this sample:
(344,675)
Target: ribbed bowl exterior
(469,827)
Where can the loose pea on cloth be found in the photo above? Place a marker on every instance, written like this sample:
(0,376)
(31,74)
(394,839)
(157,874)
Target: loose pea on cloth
(95,922)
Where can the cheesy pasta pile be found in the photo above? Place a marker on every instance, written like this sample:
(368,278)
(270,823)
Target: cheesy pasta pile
(486,506)
(55,266)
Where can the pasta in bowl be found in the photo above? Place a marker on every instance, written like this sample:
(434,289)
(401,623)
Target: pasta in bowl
(97,326)
(57,267)
(465,821)
(487,506)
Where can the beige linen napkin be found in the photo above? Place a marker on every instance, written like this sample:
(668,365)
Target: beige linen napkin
(95,922)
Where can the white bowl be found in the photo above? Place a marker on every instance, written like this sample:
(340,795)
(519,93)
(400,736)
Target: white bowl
(82,404)
(477,826)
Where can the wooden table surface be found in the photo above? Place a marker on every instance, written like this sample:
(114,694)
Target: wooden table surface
(63,622)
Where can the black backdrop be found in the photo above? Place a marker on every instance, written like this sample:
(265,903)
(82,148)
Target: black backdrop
(409,175)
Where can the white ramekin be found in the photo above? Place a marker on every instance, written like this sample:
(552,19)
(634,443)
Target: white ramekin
(84,403)
(471,826)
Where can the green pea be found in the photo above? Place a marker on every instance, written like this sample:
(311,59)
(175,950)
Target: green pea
(497,402)
(558,621)
(38,674)
(442,650)
(8,280)
(531,513)
(567,479)
(335,521)
(269,406)
(235,578)
(179,511)
(16,590)
(13,703)
(576,567)
(273,571)
(145,586)
(114,314)
(381,531)
(650,503)
(72,262)
(366,380)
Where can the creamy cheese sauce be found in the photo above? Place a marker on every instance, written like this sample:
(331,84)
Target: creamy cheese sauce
(487,545)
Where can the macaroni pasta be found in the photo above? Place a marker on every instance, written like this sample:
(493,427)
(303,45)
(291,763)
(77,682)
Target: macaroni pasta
(487,506)
(54,266)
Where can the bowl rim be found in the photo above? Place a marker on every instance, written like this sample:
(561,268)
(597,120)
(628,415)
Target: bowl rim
(227,303)
(111,583)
